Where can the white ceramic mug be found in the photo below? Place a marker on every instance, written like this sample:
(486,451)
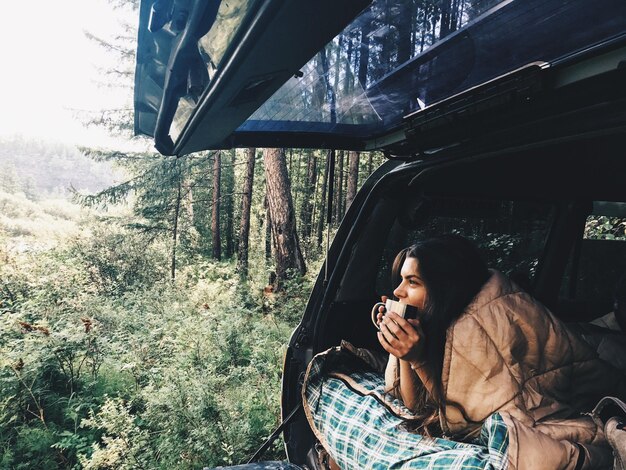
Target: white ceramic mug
(390,306)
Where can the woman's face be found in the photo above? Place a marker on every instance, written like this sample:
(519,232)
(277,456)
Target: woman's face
(411,290)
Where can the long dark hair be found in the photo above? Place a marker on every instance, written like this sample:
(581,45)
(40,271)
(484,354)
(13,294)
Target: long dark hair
(453,272)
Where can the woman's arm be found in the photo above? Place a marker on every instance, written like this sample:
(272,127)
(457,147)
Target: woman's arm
(412,378)
(404,339)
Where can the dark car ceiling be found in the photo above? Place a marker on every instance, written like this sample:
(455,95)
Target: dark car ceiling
(586,169)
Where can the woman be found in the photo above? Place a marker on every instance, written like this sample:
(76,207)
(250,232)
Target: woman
(481,346)
(438,276)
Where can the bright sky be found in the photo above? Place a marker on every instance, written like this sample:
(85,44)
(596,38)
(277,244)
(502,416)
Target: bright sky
(50,69)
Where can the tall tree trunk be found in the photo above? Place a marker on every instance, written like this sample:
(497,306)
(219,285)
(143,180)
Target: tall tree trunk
(364,54)
(308,198)
(433,31)
(338,212)
(455,15)
(444,29)
(404,20)
(320,220)
(215,216)
(193,236)
(424,29)
(319,91)
(338,65)
(246,205)
(175,230)
(315,197)
(296,185)
(348,77)
(345,184)
(229,204)
(387,44)
(288,255)
(353,177)
(268,231)
(330,91)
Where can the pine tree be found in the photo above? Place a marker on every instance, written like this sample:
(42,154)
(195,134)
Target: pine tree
(353,177)
(288,256)
(308,199)
(246,206)
(216,242)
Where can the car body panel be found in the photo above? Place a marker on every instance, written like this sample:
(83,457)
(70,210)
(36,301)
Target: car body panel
(177,81)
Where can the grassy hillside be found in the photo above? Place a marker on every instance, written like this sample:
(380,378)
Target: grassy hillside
(41,168)
(28,225)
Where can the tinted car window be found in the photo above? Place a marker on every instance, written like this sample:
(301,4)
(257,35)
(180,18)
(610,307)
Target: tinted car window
(596,263)
(384,66)
(511,234)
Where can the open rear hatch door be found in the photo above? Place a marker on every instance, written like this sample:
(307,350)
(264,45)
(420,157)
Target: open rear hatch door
(216,74)
(204,66)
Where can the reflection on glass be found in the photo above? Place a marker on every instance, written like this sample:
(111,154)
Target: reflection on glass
(185,108)
(213,44)
(349,82)
(326,92)
(400,56)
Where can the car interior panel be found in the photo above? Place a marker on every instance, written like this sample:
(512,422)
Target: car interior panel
(537,237)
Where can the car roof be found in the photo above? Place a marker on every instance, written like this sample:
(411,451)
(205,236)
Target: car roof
(341,73)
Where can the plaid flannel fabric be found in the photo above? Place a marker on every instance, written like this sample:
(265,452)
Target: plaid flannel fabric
(360,432)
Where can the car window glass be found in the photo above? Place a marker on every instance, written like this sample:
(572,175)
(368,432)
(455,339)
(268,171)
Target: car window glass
(215,42)
(597,262)
(211,46)
(510,234)
(400,56)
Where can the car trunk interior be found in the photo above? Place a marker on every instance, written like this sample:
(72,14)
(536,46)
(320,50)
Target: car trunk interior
(551,190)
(533,231)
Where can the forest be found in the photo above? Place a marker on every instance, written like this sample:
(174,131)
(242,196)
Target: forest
(146,301)
(134,338)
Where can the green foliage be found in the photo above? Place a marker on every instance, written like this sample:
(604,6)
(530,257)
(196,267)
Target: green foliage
(118,260)
(124,443)
(605,228)
(290,302)
(105,363)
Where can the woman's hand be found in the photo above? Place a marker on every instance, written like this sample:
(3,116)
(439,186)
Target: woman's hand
(381,310)
(401,338)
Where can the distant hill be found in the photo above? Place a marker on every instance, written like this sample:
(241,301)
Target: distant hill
(41,168)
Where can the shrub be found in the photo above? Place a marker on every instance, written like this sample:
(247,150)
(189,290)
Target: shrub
(118,260)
